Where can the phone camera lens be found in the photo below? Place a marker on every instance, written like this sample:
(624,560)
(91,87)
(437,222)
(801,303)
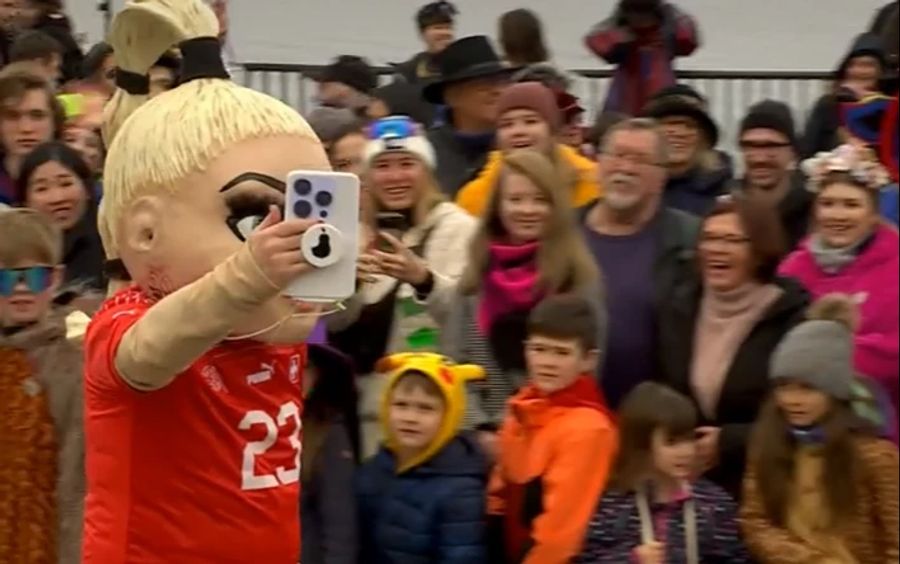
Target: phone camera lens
(302,187)
(302,209)
(324,199)
(323,214)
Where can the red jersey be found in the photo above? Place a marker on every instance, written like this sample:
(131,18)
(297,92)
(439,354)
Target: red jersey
(203,471)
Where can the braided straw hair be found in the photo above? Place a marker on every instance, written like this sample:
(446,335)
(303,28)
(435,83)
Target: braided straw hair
(155,144)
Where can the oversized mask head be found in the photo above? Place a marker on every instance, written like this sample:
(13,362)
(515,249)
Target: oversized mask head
(191,172)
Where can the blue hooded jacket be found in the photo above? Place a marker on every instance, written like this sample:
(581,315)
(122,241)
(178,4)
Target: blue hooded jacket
(431,514)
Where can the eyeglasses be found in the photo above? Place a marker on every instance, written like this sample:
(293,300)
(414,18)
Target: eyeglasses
(35,278)
(632,158)
(393,127)
(726,240)
(764,145)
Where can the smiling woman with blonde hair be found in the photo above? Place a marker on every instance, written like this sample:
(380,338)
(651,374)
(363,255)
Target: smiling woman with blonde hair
(527,247)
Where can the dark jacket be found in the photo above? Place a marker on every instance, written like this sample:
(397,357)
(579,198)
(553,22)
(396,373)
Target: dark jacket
(794,210)
(821,132)
(615,529)
(432,514)
(328,506)
(459,158)
(58,26)
(696,191)
(419,69)
(746,384)
(83,252)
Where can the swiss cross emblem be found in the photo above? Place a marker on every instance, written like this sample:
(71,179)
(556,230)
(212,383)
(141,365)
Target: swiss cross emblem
(213,379)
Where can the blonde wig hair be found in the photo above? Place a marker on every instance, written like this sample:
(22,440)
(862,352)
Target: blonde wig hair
(154,145)
(564,262)
(27,235)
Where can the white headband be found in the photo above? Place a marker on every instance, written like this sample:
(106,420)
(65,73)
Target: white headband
(417,145)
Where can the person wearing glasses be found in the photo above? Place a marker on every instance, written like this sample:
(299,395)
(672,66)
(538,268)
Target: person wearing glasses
(409,266)
(768,144)
(720,328)
(642,247)
(41,375)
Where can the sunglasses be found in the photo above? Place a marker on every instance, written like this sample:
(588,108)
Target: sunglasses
(35,278)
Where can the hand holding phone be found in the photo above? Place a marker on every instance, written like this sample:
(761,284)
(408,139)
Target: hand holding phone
(400,262)
(331,246)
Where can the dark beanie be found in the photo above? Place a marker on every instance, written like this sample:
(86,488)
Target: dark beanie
(771,114)
(435,13)
(531,96)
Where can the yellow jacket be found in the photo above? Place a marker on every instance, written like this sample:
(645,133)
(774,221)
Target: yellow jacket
(473,197)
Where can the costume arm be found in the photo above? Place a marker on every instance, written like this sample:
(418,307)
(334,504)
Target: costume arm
(768,542)
(572,486)
(179,328)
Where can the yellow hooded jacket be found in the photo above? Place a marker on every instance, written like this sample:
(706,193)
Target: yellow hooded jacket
(450,378)
(474,196)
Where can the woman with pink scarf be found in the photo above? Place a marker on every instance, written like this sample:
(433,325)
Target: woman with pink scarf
(526,248)
(851,251)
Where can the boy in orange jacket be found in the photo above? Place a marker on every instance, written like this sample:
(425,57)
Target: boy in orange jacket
(557,442)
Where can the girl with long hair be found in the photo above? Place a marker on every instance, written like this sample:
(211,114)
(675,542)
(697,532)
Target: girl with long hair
(653,510)
(820,486)
(526,248)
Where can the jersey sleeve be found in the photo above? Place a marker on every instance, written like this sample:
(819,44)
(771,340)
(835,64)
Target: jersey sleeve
(101,343)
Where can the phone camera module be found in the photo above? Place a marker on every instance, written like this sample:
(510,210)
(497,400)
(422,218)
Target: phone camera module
(302,209)
(302,187)
(324,199)
(323,214)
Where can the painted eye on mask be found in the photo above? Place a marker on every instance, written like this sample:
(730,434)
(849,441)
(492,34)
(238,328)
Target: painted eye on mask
(246,212)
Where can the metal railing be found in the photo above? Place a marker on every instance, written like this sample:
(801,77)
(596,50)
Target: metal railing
(730,93)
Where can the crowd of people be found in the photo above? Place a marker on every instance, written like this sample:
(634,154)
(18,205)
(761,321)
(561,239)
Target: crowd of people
(568,343)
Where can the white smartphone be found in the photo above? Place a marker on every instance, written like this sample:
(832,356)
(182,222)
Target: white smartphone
(332,247)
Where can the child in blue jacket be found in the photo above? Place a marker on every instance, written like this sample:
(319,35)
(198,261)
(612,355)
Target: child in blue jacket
(652,512)
(422,497)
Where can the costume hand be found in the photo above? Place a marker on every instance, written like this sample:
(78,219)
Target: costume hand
(401,263)
(275,245)
(651,553)
(708,447)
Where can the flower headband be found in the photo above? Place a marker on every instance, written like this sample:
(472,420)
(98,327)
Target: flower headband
(860,163)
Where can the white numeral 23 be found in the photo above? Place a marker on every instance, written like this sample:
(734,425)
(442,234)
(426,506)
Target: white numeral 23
(250,480)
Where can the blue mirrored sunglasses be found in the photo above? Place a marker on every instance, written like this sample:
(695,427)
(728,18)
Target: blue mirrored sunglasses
(393,127)
(35,278)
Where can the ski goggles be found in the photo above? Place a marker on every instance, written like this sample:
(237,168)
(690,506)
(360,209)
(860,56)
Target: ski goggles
(35,278)
(393,127)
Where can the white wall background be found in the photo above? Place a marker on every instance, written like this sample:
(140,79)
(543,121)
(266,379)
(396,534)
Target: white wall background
(737,34)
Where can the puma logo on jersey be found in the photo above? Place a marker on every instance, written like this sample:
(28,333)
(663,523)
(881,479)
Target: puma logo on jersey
(264,375)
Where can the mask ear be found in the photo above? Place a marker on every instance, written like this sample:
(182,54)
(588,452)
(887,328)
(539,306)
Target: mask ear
(139,228)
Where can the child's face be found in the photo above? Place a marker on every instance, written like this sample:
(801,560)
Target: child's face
(802,405)
(415,417)
(555,364)
(26,292)
(673,457)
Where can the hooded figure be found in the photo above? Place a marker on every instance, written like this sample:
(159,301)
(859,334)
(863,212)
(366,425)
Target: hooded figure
(193,369)
(857,75)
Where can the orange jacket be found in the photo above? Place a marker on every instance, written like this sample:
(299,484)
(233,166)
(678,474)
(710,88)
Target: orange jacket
(555,455)
(473,197)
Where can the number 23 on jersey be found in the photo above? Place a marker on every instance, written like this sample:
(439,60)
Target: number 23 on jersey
(288,412)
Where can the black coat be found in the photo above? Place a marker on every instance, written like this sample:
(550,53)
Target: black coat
(458,162)
(747,381)
(83,253)
(794,210)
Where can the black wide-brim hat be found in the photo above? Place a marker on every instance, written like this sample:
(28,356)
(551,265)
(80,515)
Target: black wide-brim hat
(465,59)
(681,100)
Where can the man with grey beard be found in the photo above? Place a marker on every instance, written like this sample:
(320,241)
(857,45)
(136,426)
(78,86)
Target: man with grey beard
(643,250)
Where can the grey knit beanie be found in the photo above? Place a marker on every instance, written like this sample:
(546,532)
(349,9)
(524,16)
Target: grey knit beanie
(819,352)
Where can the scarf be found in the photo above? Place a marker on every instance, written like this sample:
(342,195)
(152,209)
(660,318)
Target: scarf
(725,320)
(28,458)
(832,260)
(510,283)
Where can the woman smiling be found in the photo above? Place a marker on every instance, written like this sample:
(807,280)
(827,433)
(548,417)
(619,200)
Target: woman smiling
(852,252)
